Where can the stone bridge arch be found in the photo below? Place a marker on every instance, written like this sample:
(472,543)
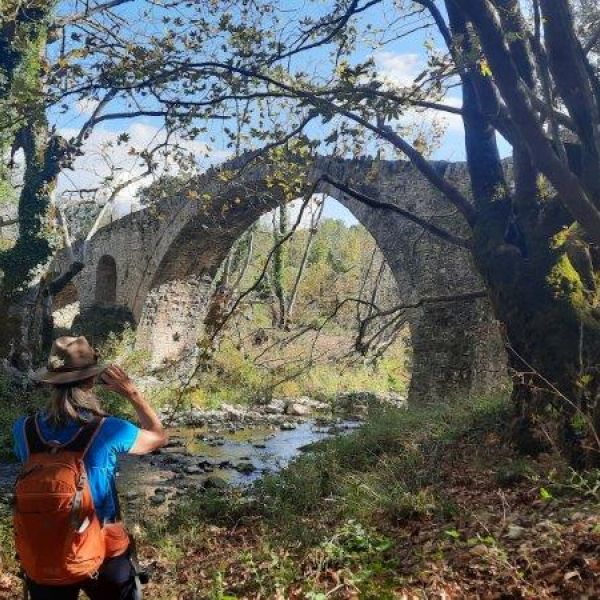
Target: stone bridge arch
(168,254)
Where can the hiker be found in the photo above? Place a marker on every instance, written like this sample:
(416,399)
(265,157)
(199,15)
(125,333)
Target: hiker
(68,532)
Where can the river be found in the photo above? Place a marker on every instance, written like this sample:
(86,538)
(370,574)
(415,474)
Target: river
(196,458)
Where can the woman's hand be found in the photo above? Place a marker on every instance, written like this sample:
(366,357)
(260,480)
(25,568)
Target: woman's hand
(115,379)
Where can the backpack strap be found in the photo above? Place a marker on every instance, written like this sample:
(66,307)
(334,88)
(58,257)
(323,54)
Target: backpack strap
(33,439)
(80,442)
(85,436)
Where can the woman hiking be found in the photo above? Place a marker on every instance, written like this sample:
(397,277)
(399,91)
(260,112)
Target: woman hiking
(67,522)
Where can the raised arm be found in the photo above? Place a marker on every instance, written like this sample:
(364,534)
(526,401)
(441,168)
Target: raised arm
(152,434)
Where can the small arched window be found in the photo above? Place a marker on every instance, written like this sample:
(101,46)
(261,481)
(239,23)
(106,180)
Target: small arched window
(106,281)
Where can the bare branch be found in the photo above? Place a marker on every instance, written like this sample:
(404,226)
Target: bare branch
(339,24)
(89,12)
(8,222)
(429,227)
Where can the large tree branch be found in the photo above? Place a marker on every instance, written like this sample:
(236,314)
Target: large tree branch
(88,126)
(451,192)
(594,39)
(518,38)
(480,102)
(388,206)
(544,71)
(570,74)
(497,114)
(512,87)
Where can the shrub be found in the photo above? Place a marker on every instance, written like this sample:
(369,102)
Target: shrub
(388,469)
(15,401)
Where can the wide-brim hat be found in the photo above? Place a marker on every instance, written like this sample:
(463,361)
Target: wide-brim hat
(71,359)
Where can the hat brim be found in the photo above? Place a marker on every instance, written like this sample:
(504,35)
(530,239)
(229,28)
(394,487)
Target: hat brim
(45,376)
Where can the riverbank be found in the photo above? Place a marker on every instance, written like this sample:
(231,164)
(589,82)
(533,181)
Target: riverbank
(420,503)
(417,503)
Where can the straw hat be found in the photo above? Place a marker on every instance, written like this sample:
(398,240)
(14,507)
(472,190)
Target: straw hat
(71,359)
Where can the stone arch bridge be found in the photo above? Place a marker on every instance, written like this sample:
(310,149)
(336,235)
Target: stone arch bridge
(159,263)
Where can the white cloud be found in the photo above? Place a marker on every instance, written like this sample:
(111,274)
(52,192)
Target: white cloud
(401,70)
(398,69)
(103,158)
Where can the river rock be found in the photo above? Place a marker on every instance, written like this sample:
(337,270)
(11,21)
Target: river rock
(158,499)
(215,483)
(360,410)
(173,450)
(193,470)
(275,407)
(296,409)
(348,402)
(233,411)
(174,442)
(246,468)
(287,426)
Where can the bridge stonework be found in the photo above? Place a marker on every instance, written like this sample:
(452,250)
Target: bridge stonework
(167,255)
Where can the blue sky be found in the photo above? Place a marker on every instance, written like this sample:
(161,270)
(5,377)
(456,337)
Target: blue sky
(399,61)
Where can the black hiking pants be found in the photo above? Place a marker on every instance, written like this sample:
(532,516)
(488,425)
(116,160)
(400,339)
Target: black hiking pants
(115,581)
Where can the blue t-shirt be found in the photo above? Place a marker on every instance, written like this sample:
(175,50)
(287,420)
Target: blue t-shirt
(116,436)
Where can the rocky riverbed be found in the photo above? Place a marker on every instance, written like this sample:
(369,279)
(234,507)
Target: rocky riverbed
(230,446)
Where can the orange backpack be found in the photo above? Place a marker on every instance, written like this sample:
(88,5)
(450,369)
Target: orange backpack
(58,536)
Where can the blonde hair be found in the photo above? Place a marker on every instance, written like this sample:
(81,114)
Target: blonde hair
(71,402)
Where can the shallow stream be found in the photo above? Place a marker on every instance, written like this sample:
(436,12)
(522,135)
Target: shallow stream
(196,458)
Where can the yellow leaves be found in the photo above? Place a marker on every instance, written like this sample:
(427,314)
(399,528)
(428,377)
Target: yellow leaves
(420,144)
(484,67)
(62,62)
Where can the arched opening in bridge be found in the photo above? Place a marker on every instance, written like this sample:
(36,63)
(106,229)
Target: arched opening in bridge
(335,280)
(314,302)
(106,281)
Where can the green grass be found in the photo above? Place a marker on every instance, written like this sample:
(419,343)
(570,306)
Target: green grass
(335,509)
(388,469)
(234,378)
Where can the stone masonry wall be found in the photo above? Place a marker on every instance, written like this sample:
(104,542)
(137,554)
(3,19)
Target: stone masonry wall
(168,254)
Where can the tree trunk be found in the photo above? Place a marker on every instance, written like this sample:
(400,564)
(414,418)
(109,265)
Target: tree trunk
(546,295)
(280,230)
(24,294)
